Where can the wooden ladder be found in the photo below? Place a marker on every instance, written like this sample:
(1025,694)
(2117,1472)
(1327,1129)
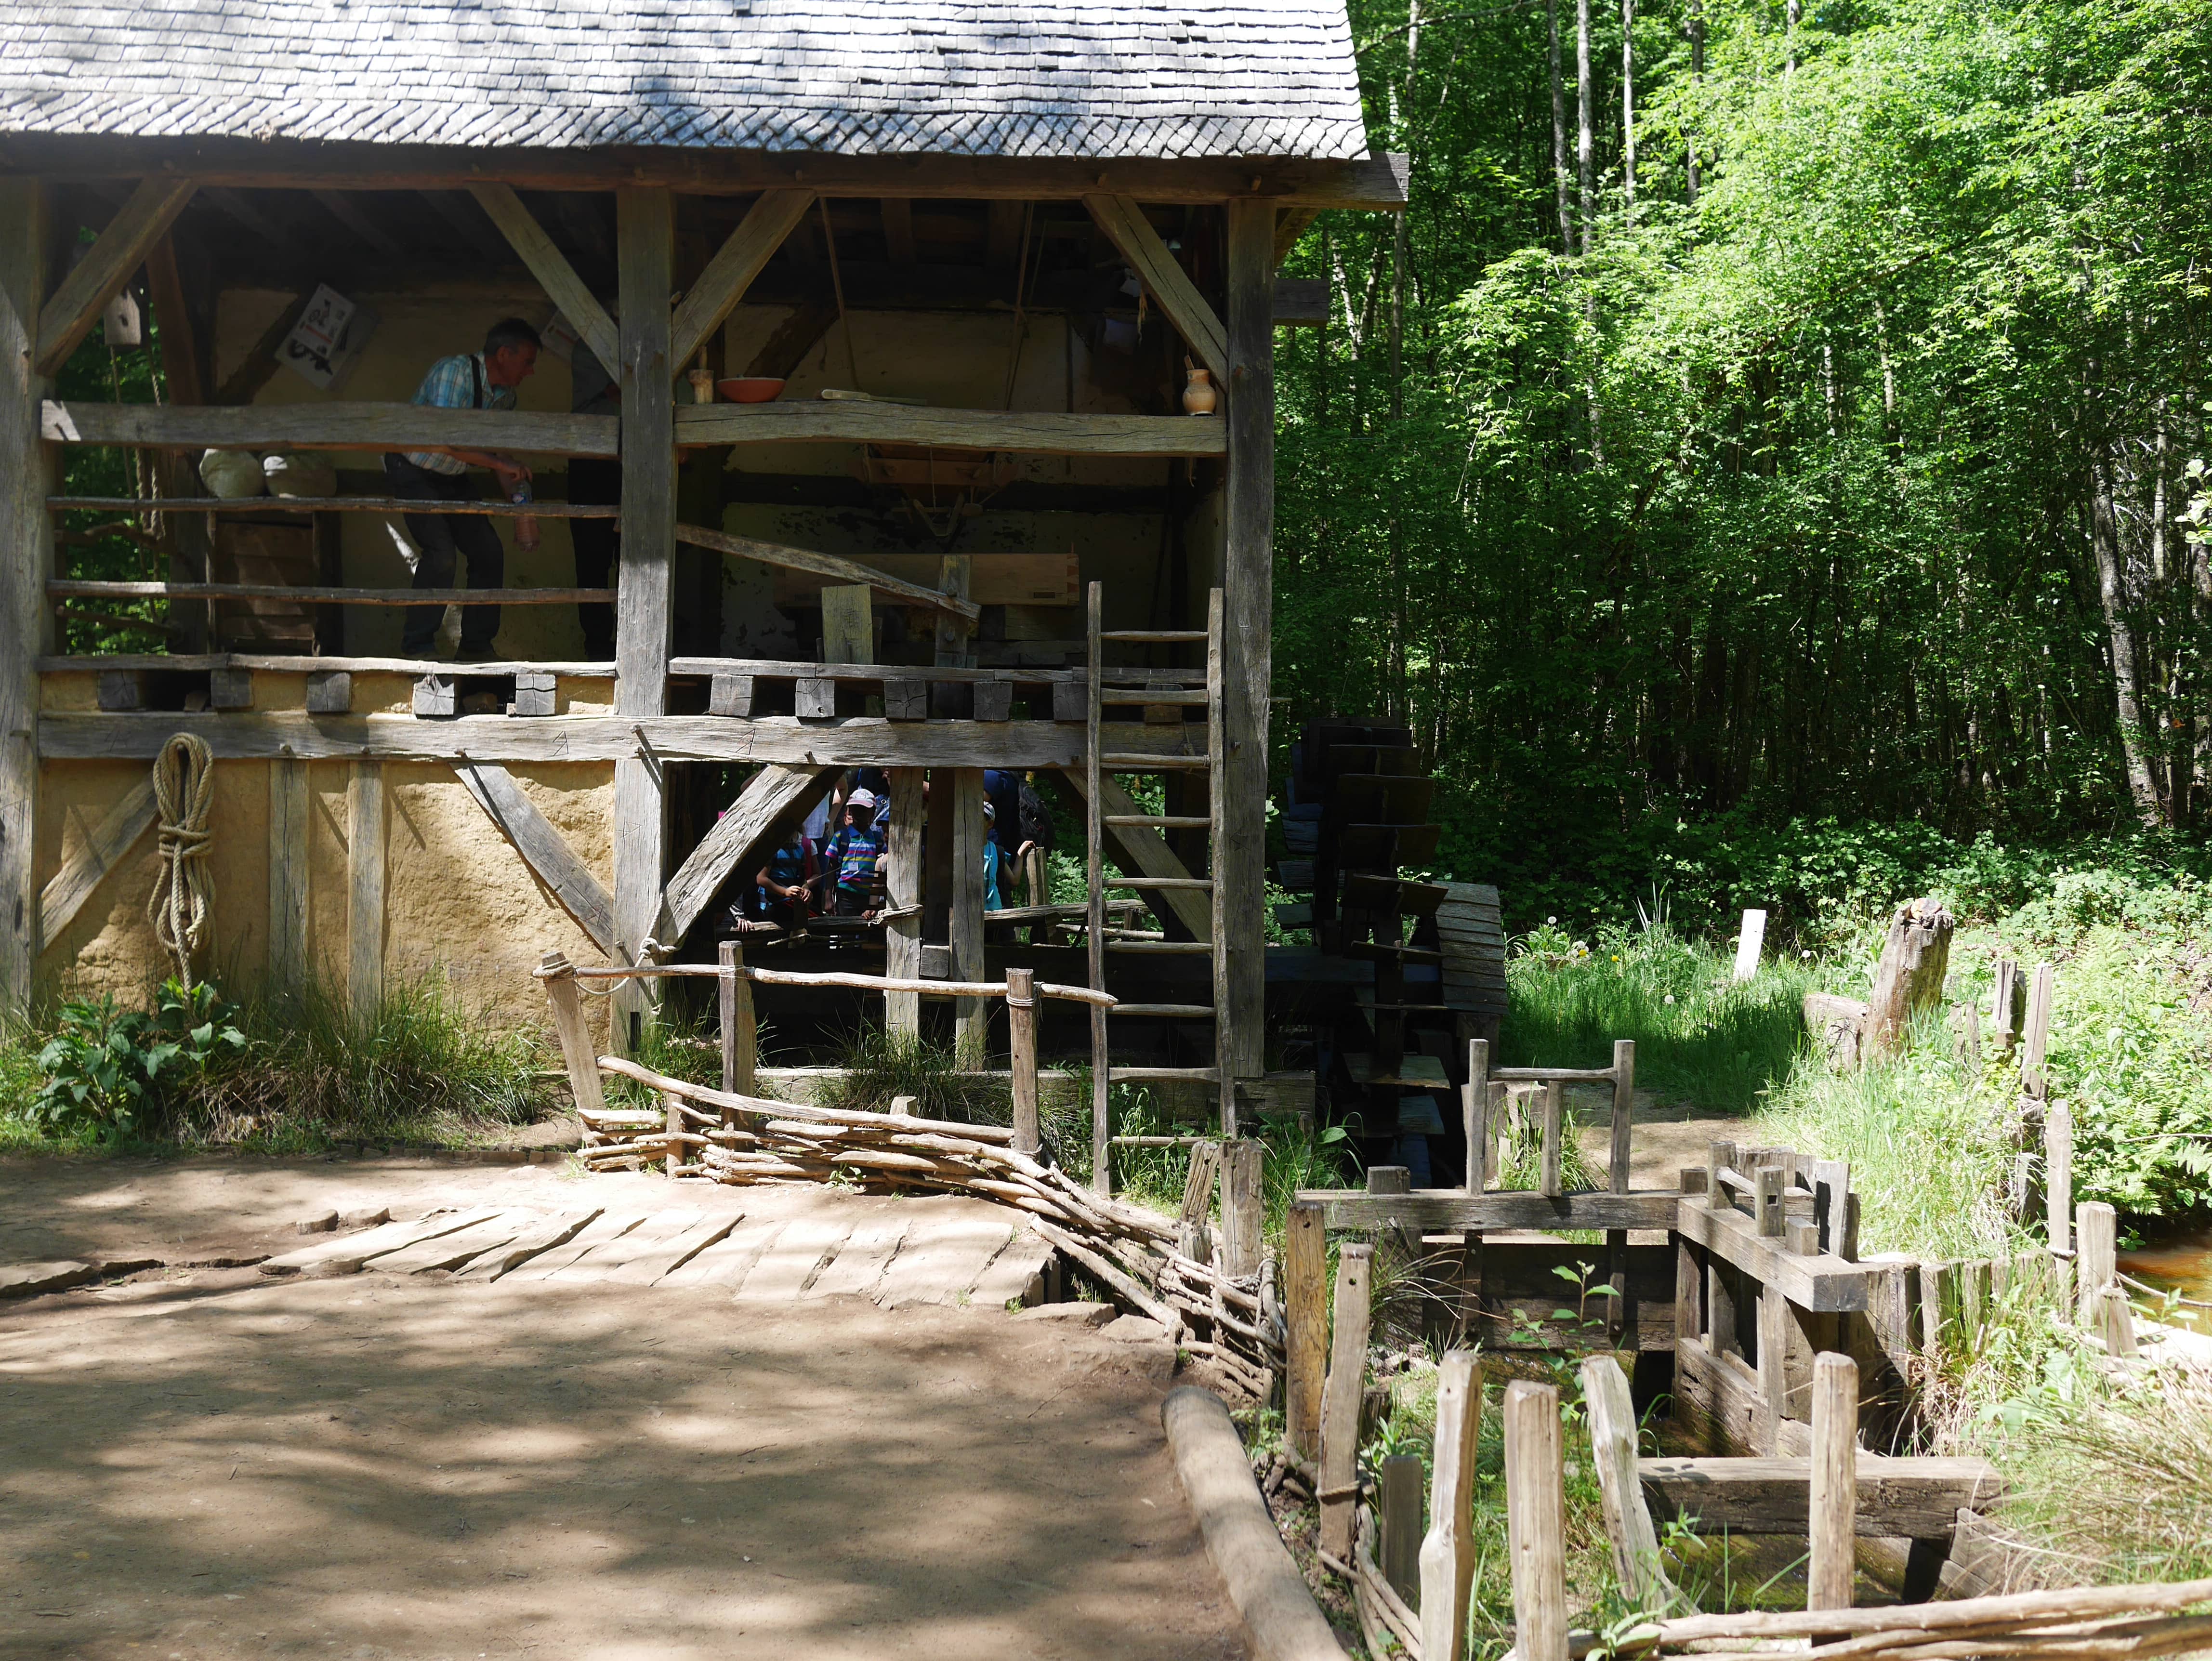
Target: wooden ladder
(1133,690)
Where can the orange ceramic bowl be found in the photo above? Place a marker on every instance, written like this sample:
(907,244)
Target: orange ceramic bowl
(748,389)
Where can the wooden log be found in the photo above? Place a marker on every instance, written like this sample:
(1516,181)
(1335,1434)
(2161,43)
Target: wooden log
(332,425)
(902,896)
(1831,1529)
(1535,1522)
(1022,1030)
(2096,1257)
(1910,976)
(288,826)
(1398,1493)
(1243,1200)
(1447,1554)
(2050,1608)
(1341,1399)
(1628,1526)
(1305,1298)
(972,1019)
(1836,1025)
(1624,1109)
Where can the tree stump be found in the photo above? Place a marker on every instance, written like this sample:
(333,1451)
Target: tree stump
(1910,977)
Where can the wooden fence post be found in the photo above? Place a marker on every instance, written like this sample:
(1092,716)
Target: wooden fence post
(1748,945)
(1022,1043)
(1832,1530)
(1719,1157)
(1243,1206)
(1535,1521)
(2038,1041)
(1627,1519)
(576,1033)
(672,1106)
(2096,1256)
(1338,1491)
(1555,1106)
(1305,1339)
(1398,1494)
(2059,1174)
(1475,1111)
(2116,1322)
(740,1034)
(1447,1554)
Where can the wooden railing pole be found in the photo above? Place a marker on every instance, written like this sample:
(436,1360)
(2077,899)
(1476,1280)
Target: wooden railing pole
(1475,1108)
(1448,1555)
(1555,1106)
(1623,1109)
(1832,1530)
(740,1034)
(1022,1041)
(1535,1521)
(1306,1340)
(1244,1200)
(2096,1256)
(577,1053)
(1340,1401)
(1627,1519)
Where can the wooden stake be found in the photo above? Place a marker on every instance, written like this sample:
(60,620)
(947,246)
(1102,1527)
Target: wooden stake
(740,1035)
(576,1051)
(1830,1532)
(673,1105)
(2096,1259)
(1624,1109)
(1748,945)
(973,1015)
(1766,1200)
(1448,1555)
(2039,994)
(1627,1519)
(1719,1157)
(902,893)
(1474,1109)
(1340,1401)
(2059,1174)
(2116,1321)
(1555,1102)
(1535,1521)
(1242,1206)
(365,870)
(1398,1485)
(1022,1034)
(1306,1340)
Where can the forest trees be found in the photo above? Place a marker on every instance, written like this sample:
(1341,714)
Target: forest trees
(1829,465)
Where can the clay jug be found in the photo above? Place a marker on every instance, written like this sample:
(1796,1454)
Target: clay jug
(1200,394)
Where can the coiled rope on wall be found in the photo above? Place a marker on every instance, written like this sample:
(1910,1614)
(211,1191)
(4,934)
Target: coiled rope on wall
(184,791)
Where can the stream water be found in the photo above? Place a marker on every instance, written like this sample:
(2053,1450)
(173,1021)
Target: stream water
(2179,1262)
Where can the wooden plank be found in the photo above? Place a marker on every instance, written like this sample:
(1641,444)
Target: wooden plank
(1535,1520)
(578,1054)
(287,873)
(973,1015)
(544,849)
(859,1267)
(1896,1499)
(309,594)
(1029,432)
(451,1252)
(1143,847)
(1341,1400)
(784,1267)
(1240,856)
(650,1265)
(365,884)
(903,897)
(730,1259)
(994,578)
(332,425)
(139,224)
(848,633)
(1825,1284)
(942,1260)
(348,1253)
(832,566)
(94,663)
(552,269)
(544,1265)
(543,1234)
(1016,1273)
(114,837)
(774,796)
(719,287)
(25,558)
(1157,268)
(656,1231)
(849,741)
(1436,1211)
(1305,1345)
(1449,1553)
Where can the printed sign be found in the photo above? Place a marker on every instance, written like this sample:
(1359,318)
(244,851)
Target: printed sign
(327,338)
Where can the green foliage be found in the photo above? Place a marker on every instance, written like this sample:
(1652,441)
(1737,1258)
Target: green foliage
(880,1065)
(109,1070)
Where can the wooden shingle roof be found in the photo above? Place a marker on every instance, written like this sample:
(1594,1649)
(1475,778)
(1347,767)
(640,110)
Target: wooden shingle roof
(1030,78)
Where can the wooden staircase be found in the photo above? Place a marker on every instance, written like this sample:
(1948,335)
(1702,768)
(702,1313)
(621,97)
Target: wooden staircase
(1164,694)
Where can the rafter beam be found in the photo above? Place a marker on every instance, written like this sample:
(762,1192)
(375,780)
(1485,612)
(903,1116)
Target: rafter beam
(733,268)
(1148,850)
(776,795)
(828,565)
(139,224)
(1127,227)
(552,269)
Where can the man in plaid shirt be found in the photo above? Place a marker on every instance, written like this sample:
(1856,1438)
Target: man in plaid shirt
(467,381)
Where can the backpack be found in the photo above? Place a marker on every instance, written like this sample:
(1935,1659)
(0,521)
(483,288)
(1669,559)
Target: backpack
(1035,819)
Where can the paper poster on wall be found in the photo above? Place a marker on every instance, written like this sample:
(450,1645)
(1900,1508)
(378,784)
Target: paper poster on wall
(326,342)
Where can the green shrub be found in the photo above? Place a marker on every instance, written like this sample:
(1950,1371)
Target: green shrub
(110,1071)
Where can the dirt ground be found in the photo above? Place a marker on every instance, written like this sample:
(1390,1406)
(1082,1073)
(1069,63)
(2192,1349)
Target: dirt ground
(201,1462)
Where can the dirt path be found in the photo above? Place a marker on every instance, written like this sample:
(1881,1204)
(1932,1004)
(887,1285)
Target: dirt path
(382,1466)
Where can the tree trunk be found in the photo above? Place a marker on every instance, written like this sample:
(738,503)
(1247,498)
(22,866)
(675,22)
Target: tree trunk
(1797,16)
(2111,595)
(1585,152)
(1559,133)
(1628,101)
(1910,977)
(1696,75)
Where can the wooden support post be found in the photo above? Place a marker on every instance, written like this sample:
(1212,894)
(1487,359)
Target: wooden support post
(1398,1505)
(672,1107)
(972,1037)
(740,1032)
(365,891)
(1022,1041)
(1832,1530)
(287,874)
(1618,1163)
(902,893)
(1768,1184)
(1535,1521)
(1448,1555)
(1305,1337)
(2116,1322)
(1628,1524)
(1094,929)
(1475,1111)
(1719,1157)
(2059,1174)
(1910,976)
(576,1034)
(26,563)
(1774,1325)
(1555,1112)
(2096,1256)
(1689,1293)
(645,244)
(1341,1396)
(848,628)
(2037,1044)
(1243,1200)
(1247,577)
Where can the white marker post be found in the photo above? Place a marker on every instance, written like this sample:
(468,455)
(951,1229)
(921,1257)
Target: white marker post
(1748,944)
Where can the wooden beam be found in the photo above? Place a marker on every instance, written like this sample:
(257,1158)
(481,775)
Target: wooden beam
(1290,225)
(832,566)
(1376,183)
(543,849)
(312,593)
(115,835)
(365,869)
(1146,848)
(25,558)
(903,899)
(973,1015)
(733,268)
(645,248)
(331,426)
(341,206)
(898,229)
(1914,1498)
(552,268)
(182,367)
(1240,856)
(1031,432)
(1127,227)
(1437,1210)
(139,224)
(1822,1283)
(289,822)
(259,366)
(772,798)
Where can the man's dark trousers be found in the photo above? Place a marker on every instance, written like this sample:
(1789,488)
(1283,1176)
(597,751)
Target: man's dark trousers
(440,537)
